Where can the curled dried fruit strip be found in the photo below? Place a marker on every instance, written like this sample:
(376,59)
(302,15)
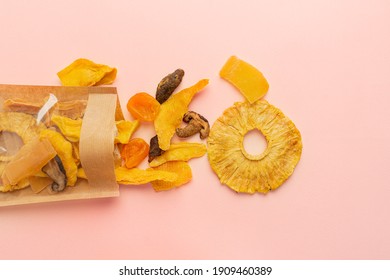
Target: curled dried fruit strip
(246,78)
(248,173)
(84,72)
(183,151)
(181,168)
(171,113)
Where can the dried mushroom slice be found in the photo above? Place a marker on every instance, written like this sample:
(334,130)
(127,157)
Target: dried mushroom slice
(24,125)
(248,173)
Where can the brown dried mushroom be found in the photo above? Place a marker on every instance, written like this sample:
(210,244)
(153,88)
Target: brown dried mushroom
(196,123)
(168,85)
(154,149)
(55,170)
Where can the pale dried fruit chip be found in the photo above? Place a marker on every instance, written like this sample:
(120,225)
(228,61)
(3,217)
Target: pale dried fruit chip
(84,72)
(171,113)
(183,151)
(246,78)
(24,125)
(181,168)
(248,173)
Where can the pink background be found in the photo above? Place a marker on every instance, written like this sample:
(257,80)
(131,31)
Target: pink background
(328,65)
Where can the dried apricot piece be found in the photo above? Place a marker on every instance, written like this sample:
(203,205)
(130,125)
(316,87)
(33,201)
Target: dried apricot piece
(183,151)
(248,173)
(171,113)
(143,107)
(246,78)
(84,72)
(181,168)
(134,152)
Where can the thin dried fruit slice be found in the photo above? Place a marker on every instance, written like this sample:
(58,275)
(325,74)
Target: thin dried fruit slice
(84,72)
(246,78)
(183,151)
(171,113)
(24,125)
(248,173)
(71,128)
(136,176)
(181,168)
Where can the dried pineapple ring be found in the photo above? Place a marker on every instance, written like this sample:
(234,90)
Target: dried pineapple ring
(24,125)
(253,173)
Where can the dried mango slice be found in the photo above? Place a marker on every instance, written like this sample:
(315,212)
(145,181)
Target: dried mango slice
(248,173)
(181,168)
(183,151)
(84,72)
(64,150)
(125,130)
(171,113)
(71,128)
(24,125)
(246,78)
(136,176)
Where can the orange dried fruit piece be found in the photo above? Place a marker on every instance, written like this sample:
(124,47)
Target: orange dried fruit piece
(143,107)
(134,152)
(248,173)
(245,77)
(183,151)
(181,168)
(84,72)
(172,111)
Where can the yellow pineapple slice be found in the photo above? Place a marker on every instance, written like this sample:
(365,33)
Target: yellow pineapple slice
(248,173)
(246,78)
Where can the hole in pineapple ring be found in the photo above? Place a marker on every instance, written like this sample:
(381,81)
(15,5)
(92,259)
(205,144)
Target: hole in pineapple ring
(254,144)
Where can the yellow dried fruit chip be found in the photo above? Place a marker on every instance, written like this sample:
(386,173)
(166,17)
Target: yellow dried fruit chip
(84,72)
(183,151)
(171,113)
(181,168)
(71,128)
(246,78)
(125,130)
(248,173)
